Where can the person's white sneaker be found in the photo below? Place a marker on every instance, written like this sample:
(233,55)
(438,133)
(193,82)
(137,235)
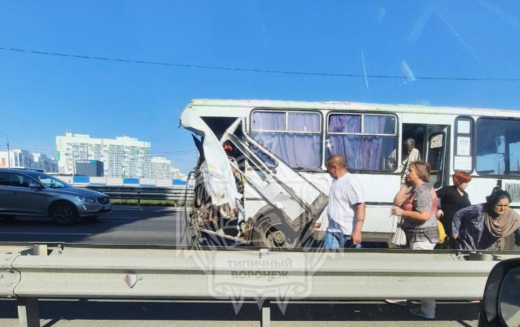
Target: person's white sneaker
(418,312)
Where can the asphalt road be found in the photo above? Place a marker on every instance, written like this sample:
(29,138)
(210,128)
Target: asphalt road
(124,225)
(93,313)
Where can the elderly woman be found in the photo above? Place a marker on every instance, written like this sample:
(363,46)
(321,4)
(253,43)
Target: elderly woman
(451,199)
(418,208)
(412,155)
(478,227)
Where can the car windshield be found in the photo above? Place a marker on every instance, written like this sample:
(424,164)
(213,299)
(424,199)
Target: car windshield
(51,182)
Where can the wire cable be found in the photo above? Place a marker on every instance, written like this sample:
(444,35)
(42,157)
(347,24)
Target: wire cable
(265,71)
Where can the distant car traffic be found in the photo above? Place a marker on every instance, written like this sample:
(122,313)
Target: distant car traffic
(32,193)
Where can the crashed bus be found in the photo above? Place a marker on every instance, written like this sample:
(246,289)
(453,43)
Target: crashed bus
(261,178)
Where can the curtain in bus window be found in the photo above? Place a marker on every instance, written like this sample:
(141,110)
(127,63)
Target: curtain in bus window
(300,146)
(345,123)
(269,121)
(362,152)
(379,125)
(297,150)
(304,122)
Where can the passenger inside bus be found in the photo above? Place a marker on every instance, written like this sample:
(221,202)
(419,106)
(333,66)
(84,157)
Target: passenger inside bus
(239,178)
(412,155)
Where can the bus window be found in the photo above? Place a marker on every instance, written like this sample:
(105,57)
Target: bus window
(294,137)
(498,146)
(366,141)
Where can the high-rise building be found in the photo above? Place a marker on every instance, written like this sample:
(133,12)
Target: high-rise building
(21,158)
(42,161)
(161,168)
(122,157)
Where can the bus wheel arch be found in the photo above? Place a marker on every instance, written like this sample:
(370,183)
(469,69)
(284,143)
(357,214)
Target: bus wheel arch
(271,231)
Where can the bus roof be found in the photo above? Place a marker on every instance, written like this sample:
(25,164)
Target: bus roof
(404,108)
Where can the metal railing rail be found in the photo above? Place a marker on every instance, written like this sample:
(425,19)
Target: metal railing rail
(33,272)
(145,193)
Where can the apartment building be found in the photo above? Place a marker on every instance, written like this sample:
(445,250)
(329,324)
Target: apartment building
(122,157)
(44,162)
(25,159)
(161,168)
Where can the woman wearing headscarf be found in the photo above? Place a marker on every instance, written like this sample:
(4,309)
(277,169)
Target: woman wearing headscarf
(451,199)
(478,227)
(418,207)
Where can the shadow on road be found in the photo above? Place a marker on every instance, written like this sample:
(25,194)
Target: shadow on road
(211,311)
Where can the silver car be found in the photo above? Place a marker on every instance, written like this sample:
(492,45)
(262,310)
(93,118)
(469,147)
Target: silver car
(32,193)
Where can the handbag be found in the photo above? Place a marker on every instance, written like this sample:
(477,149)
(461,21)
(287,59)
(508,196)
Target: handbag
(399,238)
(442,232)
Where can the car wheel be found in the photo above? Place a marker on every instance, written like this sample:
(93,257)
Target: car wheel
(64,213)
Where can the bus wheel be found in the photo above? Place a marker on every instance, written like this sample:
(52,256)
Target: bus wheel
(268,232)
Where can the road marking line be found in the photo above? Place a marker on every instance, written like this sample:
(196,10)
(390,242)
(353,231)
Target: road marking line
(43,233)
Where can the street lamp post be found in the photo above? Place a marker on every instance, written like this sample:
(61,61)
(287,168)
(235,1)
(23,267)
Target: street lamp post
(8,151)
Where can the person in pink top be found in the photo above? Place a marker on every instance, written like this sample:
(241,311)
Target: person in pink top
(418,207)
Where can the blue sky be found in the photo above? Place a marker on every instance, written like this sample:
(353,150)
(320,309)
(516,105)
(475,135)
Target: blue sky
(42,96)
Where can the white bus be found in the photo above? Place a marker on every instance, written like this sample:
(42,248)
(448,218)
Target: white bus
(261,177)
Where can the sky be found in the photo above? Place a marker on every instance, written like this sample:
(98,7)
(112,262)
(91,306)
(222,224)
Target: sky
(43,95)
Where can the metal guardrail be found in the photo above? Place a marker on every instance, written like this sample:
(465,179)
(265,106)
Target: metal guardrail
(33,272)
(176,193)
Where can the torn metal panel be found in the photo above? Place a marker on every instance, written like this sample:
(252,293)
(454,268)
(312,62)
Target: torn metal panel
(218,177)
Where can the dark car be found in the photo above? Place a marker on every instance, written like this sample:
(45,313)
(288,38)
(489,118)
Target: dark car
(501,303)
(32,193)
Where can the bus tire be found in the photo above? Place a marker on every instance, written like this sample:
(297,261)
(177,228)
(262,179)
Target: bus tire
(269,232)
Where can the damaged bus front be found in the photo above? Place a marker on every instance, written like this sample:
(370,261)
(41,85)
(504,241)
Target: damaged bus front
(234,169)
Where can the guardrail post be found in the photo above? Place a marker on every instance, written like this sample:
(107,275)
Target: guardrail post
(28,312)
(266,314)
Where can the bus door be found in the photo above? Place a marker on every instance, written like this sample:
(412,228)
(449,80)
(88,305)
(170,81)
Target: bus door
(437,154)
(432,142)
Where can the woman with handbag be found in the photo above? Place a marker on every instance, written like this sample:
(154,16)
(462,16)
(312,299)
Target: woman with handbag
(452,198)
(418,208)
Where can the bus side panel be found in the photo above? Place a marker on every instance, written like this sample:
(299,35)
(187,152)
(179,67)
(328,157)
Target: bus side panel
(379,190)
(479,188)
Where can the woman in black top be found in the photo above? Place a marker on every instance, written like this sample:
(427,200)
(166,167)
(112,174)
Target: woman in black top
(451,199)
